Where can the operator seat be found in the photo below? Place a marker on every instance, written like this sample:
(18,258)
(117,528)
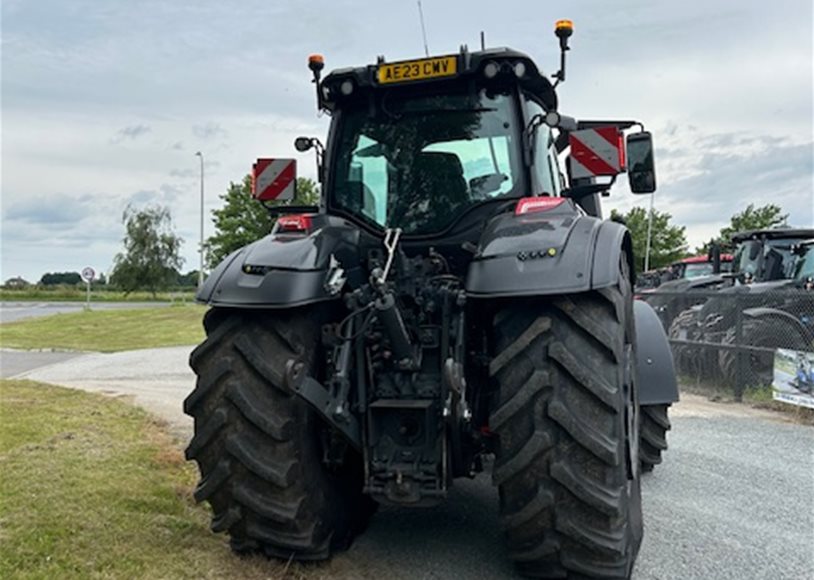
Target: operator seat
(434,191)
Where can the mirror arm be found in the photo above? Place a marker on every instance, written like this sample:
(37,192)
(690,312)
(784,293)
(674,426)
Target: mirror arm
(319,148)
(580,191)
(562,142)
(529,132)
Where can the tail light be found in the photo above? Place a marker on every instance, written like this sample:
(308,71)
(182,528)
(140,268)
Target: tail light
(289,224)
(537,204)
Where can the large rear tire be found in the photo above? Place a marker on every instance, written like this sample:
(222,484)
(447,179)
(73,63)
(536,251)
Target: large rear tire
(685,327)
(758,367)
(653,434)
(567,465)
(259,447)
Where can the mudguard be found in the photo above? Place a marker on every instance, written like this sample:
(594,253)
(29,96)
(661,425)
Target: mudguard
(283,270)
(763,312)
(794,324)
(655,373)
(558,251)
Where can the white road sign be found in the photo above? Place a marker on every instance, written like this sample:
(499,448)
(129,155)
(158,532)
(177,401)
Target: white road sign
(88,273)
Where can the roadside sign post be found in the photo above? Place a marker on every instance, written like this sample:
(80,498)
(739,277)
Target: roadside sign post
(88,274)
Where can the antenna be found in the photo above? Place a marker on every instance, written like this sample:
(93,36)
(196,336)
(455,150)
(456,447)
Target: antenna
(423,30)
(482,40)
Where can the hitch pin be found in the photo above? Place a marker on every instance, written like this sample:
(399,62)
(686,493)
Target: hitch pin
(391,240)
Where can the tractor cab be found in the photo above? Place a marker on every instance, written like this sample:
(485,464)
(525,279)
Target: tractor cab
(433,145)
(420,158)
(764,255)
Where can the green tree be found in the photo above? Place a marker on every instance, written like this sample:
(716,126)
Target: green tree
(150,259)
(752,218)
(54,278)
(668,242)
(188,280)
(243,219)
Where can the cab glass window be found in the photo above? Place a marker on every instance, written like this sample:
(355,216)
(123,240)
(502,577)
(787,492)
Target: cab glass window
(418,162)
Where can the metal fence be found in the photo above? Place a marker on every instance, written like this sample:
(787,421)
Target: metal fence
(728,339)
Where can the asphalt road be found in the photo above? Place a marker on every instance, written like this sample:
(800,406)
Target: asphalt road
(733,499)
(14,362)
(11,311)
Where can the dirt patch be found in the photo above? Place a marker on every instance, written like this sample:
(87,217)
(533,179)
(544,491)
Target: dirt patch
(699,406)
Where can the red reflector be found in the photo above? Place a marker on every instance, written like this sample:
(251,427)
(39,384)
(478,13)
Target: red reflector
(621,146)
(294,223)
(537,204)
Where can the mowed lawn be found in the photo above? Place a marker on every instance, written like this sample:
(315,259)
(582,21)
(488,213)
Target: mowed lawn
(91,487)
(108,330)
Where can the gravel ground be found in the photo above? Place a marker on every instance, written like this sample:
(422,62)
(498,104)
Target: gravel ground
(733,499)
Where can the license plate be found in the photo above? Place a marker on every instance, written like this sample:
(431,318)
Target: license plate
(417,70)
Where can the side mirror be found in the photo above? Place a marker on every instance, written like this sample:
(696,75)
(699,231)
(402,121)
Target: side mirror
(641,169)
(303,144)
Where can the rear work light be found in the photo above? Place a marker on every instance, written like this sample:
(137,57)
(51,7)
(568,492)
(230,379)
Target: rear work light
(293,224)
(537,204)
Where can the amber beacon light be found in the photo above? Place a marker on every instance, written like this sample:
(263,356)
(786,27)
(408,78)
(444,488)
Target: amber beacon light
(316,62)
(563,29)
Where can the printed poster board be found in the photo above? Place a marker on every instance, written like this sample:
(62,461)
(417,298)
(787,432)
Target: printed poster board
(794,377)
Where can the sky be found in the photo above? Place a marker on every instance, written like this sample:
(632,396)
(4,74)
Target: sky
(106,102)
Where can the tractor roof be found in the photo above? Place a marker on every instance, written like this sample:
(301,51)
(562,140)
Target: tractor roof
(773,234)
(437,74)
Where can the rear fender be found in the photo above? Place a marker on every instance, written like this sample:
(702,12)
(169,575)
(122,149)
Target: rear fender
(794,323)
(560,251)
(764,313)
(283,270)
(655,373)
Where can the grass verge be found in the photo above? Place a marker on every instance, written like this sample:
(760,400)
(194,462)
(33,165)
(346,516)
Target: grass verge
(108,330)
(91,487)
(762,398)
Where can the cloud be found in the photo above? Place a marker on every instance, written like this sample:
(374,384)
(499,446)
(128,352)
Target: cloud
(742,170)
(209,130)
(130,133)
(166,194)
(51,210)
(184,173)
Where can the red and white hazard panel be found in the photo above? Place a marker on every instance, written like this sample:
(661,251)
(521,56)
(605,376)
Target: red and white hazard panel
(274,179)
(596,152)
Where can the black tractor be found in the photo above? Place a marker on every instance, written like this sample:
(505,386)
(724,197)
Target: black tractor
(452,298)
(764,261)
(773,314)
(674,289)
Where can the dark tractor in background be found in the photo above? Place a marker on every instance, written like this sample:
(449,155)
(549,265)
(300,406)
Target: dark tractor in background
(774,314)
(764,262)
(452,297)
(675,288)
